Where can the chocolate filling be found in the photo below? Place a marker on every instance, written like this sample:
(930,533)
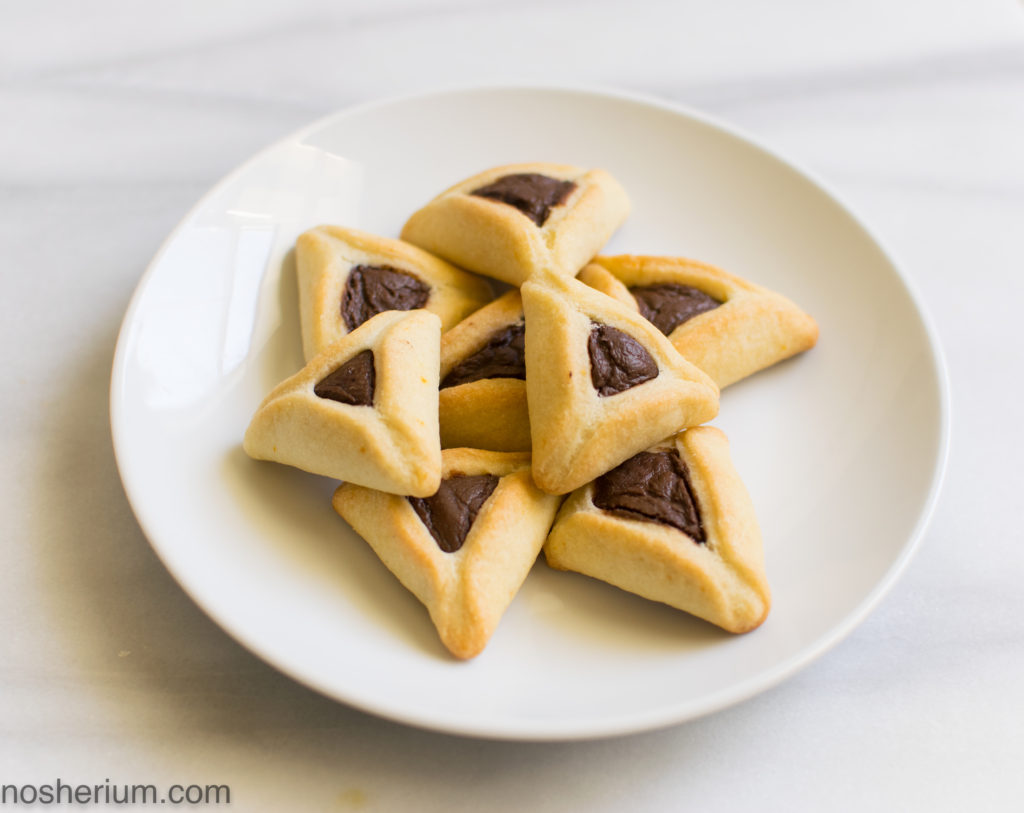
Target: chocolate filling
(450,513)
(617,360)
(668,305)
(352,383)
(531,193)
(502,357)
(373,289)
(654,487)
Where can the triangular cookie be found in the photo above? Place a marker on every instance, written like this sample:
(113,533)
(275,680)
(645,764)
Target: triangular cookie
(727,326)
(511,221)
(602,383)
(465,551)
(483,387)
(346,276)
(673,524)
(364,410)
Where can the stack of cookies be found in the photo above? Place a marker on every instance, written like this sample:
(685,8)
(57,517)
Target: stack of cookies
(565,415)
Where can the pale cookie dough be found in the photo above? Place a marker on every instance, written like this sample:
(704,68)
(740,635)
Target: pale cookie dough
(694,545)
(602,383)
(346,276)
(465,551)
(511,221)
(483,387)
(752,328)
(374,421)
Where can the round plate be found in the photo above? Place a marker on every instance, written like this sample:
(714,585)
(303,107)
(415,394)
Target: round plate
(842,448)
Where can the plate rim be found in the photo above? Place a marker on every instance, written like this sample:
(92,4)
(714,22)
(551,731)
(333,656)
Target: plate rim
(536,730)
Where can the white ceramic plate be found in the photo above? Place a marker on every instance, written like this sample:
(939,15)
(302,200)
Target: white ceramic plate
(842,448)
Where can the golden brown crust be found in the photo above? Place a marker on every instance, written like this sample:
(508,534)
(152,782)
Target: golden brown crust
(497,240)
(722,580)
(601,279)
(491,413)
(465,592)
(325,256)
(577,434)
(753,329)
(392,445)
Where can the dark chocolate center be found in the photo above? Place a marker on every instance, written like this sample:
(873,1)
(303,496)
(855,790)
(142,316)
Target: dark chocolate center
(449,514)
(373,289)
(655,487)
(617,360)
(531,193)
(352,383)
(668,305)
(502,357)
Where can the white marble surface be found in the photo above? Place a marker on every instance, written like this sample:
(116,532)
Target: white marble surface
(116,116)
